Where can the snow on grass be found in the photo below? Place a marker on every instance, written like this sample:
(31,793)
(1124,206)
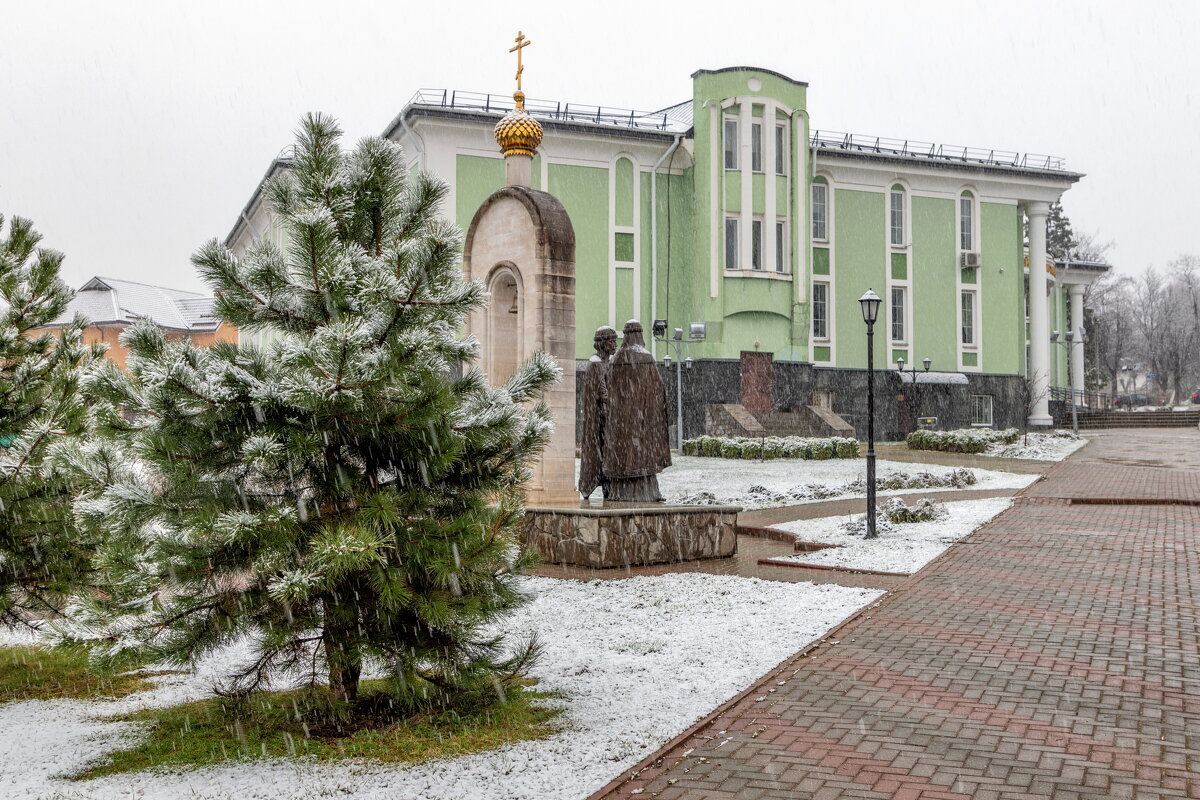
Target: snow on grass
(906,549)
(730,480)
(1040,446)
(636,661)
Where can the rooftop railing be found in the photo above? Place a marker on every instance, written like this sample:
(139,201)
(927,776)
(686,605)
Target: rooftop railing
(548,109)
(909,148)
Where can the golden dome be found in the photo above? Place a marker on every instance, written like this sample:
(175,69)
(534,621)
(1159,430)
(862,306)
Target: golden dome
(517,133)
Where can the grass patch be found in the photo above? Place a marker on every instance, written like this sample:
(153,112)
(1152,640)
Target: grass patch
(275,725)
(39,673)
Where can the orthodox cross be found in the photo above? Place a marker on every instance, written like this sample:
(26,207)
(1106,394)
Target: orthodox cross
(522,42)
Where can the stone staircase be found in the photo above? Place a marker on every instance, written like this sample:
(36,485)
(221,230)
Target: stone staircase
(1096,420)
(732,419)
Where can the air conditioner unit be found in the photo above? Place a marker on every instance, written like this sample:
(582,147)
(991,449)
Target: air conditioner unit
(969,260)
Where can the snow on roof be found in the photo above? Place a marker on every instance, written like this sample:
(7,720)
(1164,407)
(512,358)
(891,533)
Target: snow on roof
(103,300)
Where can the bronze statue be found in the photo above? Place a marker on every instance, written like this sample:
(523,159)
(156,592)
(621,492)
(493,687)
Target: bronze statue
(635,447)
(595,411)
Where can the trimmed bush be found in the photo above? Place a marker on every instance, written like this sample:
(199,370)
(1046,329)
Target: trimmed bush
(771,447)
(966,440)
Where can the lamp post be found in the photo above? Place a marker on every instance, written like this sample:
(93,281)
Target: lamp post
(697,332)
(1070,340)
(870,311)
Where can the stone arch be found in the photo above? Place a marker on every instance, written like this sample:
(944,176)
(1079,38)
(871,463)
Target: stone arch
(503,325)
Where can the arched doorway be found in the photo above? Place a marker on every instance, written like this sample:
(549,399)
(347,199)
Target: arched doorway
(504,329)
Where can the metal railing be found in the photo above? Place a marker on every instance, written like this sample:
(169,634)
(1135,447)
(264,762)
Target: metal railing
(910,148)
(550,109)
(1091,401)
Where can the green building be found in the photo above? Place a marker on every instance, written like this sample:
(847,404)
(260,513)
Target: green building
(733,209)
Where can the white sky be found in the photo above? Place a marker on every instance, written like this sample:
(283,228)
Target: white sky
(131,132)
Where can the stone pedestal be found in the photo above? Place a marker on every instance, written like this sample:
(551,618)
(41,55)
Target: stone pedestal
(628,534)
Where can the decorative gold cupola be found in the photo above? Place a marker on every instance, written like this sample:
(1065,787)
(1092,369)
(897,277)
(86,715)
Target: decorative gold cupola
(517,133)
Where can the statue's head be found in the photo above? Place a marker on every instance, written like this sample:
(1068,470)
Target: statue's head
(633,334)
(605,340)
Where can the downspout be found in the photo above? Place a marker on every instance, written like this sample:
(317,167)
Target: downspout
(420,146)
(654,237)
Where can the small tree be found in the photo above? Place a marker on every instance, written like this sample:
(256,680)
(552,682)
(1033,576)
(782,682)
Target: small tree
(340,496)
(42,557)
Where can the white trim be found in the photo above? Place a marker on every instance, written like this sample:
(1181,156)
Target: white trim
(830,322)
(614,229)
(716,188)
(757,273)
(770,185)
(745,119)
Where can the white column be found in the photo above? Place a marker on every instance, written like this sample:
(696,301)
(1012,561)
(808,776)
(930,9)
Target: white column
(1077,358)
(745,120)
(1039,319)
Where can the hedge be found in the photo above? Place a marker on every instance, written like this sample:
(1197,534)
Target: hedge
(771,447)
(967,440)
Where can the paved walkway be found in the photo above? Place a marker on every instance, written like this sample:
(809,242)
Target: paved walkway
(1052,654)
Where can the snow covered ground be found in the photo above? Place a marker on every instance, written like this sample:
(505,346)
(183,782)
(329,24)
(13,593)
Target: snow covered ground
(1041,446)
(730,479)
(637,660)
(906,549)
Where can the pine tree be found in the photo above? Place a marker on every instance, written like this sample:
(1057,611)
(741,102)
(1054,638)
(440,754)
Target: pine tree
(1060,238)
(42,556)
(340,495)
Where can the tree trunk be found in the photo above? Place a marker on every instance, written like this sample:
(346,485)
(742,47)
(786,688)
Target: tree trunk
(340,638)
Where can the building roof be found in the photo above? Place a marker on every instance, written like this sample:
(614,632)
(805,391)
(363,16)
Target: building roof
(111,300)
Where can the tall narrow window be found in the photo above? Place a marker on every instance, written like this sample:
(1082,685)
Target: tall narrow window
(968,318)
(731,243)
(897,217)
(898,304)
(820,212)
(781,153)
(731,144)
(820,310)
(966,222)
(756,244)
(756,147)
(781,259)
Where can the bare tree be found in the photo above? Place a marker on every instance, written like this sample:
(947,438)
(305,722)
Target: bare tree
(1111,329)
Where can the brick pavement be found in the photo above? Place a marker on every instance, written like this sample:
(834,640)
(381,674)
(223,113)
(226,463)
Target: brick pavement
(1052,654)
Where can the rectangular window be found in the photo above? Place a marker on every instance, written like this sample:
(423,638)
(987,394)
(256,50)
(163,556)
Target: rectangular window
(781,260)
(756,244)
(819,212)
(981,409)
(731,243)
(898,314)
(756,147)
(731,144)
(966,224)
(820,310)
(781,153)
(968,318)
(897,218)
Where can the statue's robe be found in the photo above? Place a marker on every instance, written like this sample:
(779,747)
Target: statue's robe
(636,446)
(591,442)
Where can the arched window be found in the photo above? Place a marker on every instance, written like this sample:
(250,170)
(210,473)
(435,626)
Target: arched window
(898,235)
(966,222)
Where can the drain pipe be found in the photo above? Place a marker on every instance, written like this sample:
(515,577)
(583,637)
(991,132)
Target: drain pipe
(420,146)
(654,237)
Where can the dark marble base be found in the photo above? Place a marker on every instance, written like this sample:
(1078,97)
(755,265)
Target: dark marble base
(630,534)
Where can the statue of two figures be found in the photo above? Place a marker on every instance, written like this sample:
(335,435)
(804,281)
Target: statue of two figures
(624,440)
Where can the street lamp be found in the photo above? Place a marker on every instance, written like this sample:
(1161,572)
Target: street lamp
(870,312)
(697,332)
